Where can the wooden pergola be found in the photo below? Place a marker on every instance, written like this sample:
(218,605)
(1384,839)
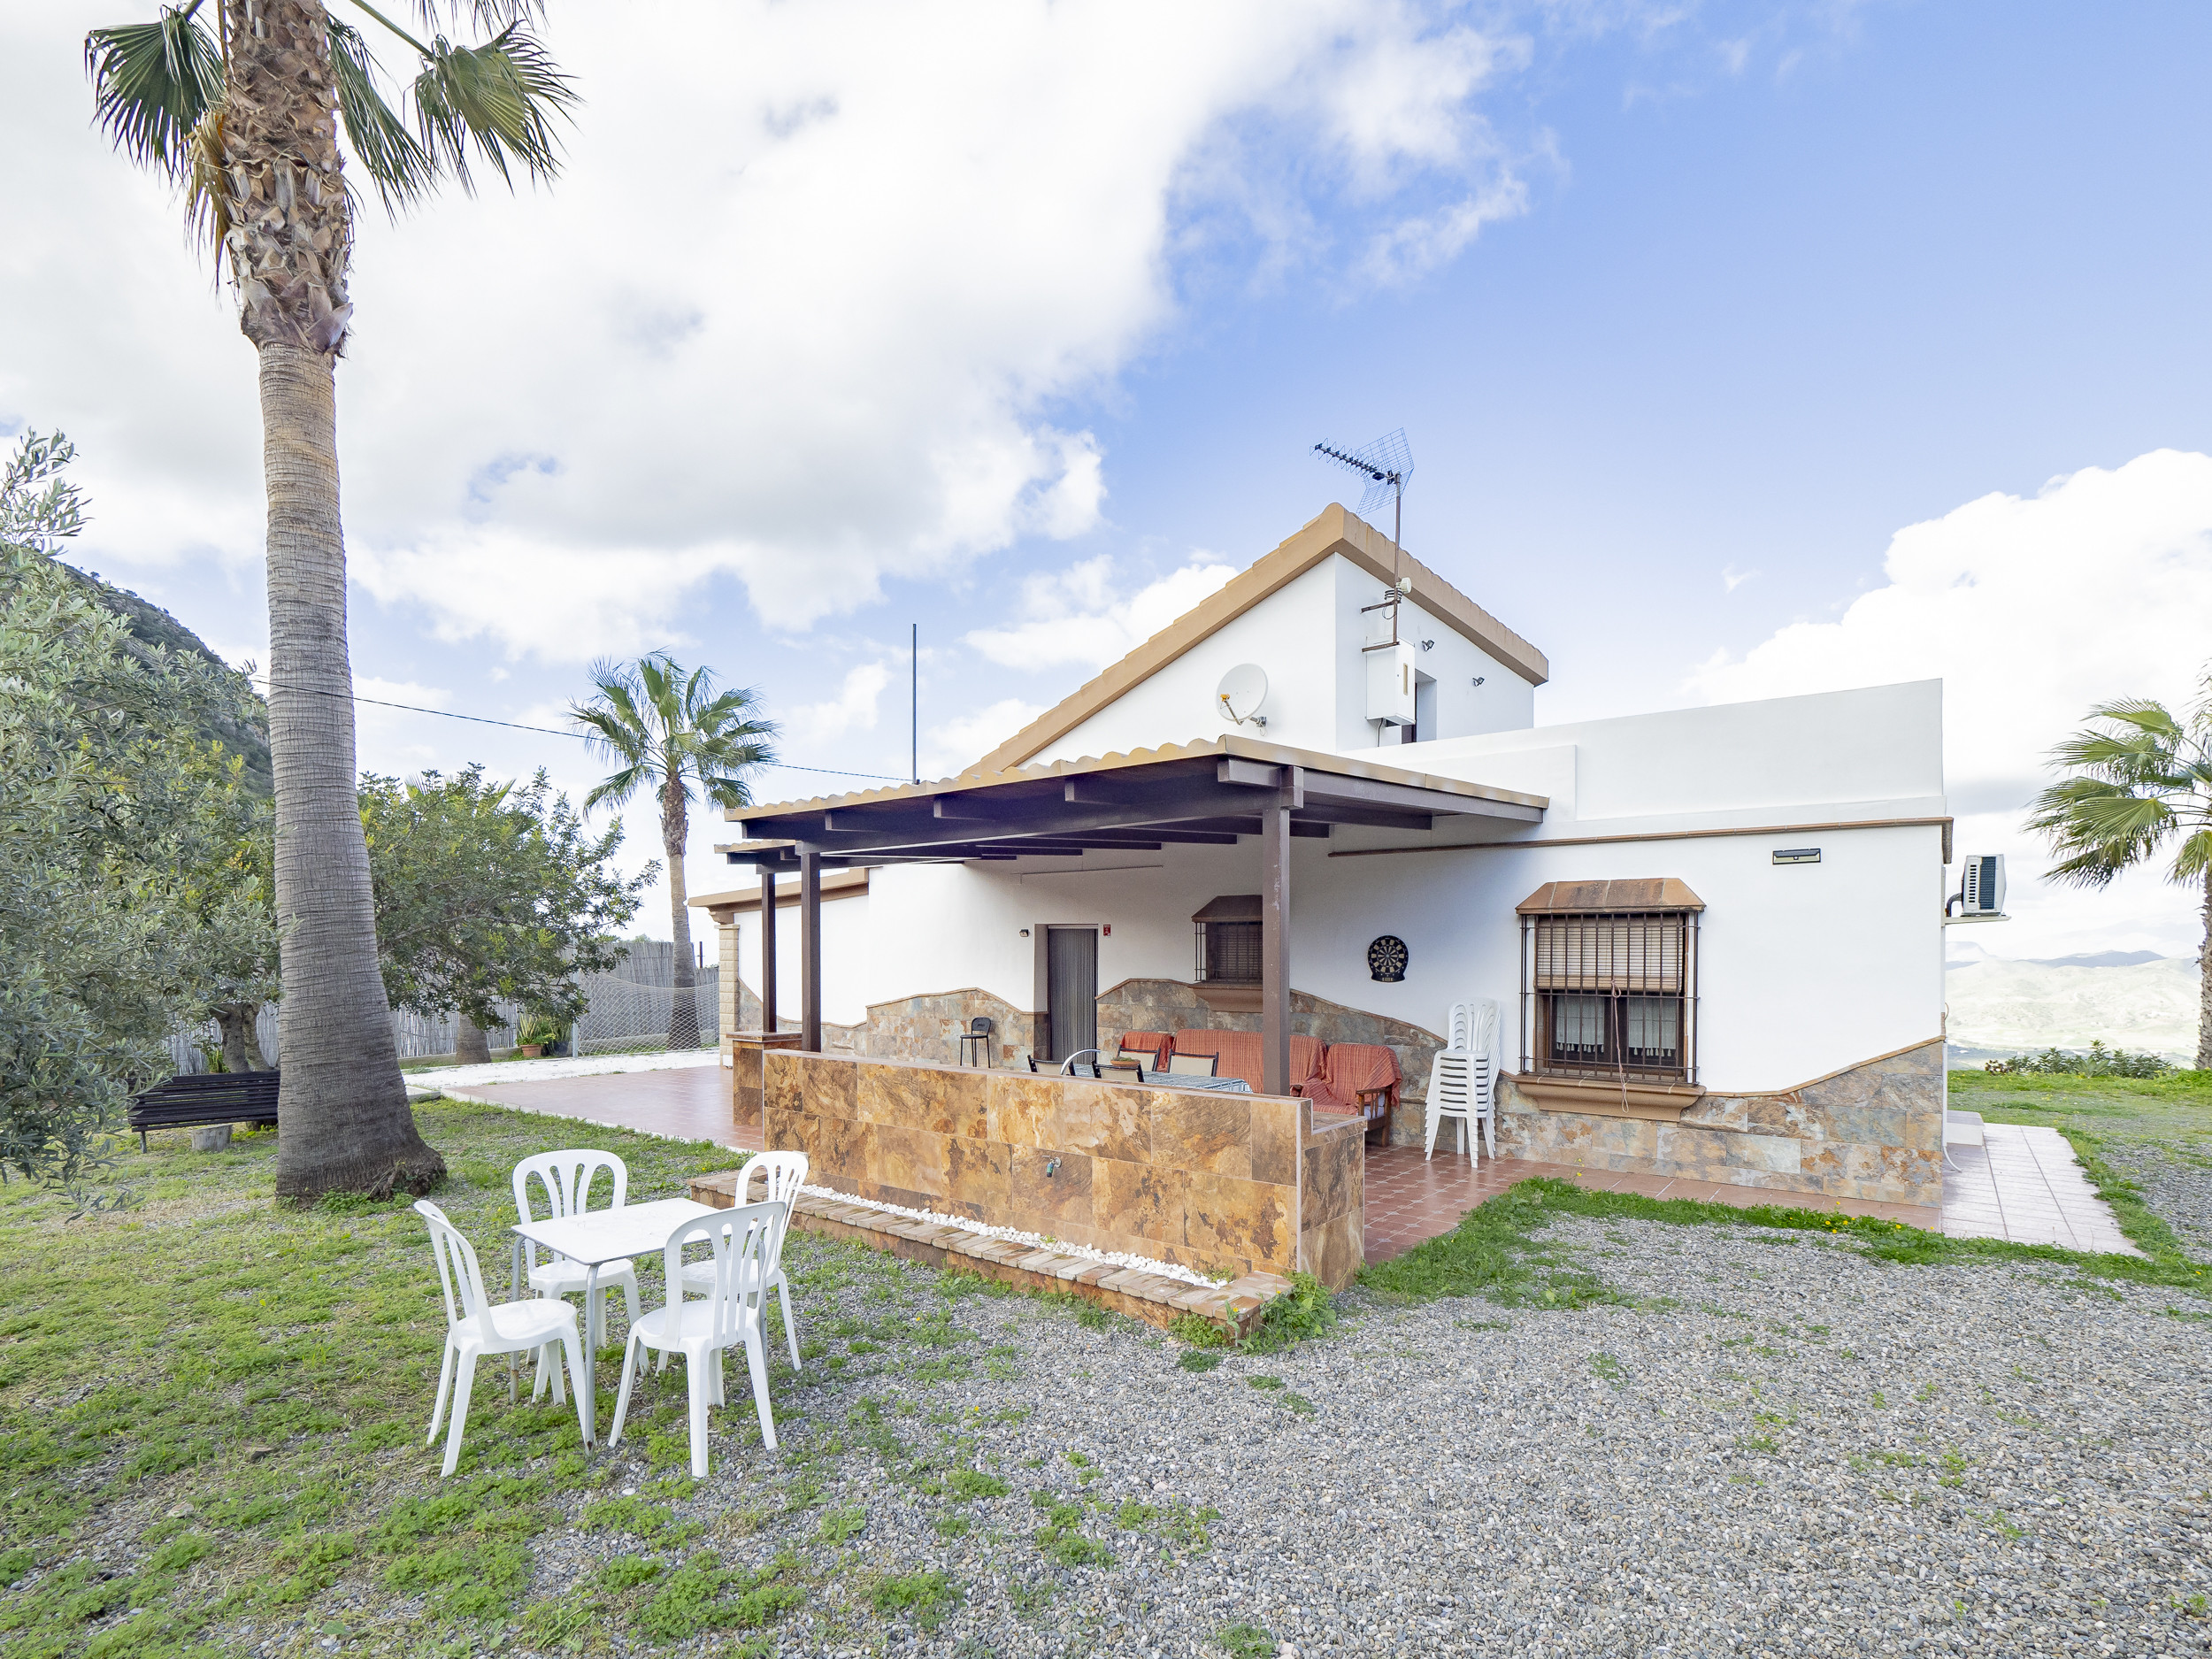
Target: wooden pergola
(1208,794)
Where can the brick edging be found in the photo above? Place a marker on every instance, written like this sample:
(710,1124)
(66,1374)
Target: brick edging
(1153,1297)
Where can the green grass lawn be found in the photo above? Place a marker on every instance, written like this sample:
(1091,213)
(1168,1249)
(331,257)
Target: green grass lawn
(213,1406)
(2170,1117)
(2173,1113)
(1499,1249)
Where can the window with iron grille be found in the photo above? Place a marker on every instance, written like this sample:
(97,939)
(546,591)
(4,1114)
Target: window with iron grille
(1610,992)
(1228,940)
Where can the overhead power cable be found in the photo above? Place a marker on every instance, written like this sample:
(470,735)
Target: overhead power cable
(547,731)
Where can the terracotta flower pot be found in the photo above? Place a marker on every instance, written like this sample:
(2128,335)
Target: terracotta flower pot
(532,1050)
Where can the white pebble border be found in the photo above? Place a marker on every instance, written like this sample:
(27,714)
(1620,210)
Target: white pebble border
(1015,1235)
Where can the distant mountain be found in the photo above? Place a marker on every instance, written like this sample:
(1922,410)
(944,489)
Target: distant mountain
(2086,959)
(2100,959)
(2126,999)
(243,729)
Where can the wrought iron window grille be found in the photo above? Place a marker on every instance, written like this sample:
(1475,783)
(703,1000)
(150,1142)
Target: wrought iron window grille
(1610,994)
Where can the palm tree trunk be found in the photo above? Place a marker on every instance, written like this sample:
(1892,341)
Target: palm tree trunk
(683,1002)
(2204,986)
(343,1120)
(469,1046)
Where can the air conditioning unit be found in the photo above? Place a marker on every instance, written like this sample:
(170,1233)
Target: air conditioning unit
(1390,684)
(1981,894)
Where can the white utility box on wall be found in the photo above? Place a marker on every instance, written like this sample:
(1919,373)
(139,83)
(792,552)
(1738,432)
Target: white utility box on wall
(1390,684)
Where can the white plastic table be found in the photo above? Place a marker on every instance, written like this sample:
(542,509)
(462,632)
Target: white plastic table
(596,1238)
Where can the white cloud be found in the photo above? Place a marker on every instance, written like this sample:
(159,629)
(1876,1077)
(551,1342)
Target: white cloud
(853,707)
(2033,609)
(1731,579)
(806,310)
(959,743)
(1074,615)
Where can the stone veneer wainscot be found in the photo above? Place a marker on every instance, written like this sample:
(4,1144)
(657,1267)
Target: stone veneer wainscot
(1222,1183)
(1872,1131)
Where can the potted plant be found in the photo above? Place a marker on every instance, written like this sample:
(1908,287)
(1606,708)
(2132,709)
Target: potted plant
(537,1034)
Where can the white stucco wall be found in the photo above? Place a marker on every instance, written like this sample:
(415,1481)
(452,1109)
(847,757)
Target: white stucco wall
(1504,701)
(848,936)
(1805,969)
(1307,638)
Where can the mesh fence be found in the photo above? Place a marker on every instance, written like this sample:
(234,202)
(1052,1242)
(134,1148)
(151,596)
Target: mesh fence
(627,1011)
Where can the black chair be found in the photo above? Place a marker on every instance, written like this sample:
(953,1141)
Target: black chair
(978,1032)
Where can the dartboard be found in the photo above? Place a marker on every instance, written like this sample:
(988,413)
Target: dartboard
(1386,958)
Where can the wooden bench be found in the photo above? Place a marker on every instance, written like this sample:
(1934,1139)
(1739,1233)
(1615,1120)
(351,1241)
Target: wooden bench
(215,1097)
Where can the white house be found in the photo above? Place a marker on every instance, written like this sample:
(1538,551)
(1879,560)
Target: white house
(1715,935)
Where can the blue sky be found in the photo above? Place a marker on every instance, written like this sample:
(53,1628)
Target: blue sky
(1685,311)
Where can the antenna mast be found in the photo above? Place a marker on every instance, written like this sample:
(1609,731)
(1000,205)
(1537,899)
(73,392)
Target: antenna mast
(1385,464)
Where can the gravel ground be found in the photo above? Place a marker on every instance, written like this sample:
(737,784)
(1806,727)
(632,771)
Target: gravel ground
(2178,1188)
(1781,1447)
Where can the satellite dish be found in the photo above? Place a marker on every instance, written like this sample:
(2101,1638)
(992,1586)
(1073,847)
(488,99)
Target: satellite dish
(1242,689)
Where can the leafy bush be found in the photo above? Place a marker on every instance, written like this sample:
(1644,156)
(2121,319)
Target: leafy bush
(2097,1061)
(1304,1311)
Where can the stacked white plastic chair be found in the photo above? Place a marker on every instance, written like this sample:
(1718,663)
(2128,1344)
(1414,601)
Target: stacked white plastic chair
(783,1173)
(748,1246)
(1462,1078)
(476,1327)
(566,1178)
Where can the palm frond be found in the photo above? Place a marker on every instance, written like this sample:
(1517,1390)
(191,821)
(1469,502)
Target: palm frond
(487,14)
(2146,714)
(152,82)
(2193,863)
(2104,820)
(376,133)
(616,789)
(495,102)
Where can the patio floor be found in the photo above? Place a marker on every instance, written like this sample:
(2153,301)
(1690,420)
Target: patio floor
(689,1104)
(2024,1186)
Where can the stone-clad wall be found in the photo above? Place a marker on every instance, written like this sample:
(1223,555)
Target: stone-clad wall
(1873,1131)
(1171,1005)
(1204,1180)
(1331,1197)
(929,1027)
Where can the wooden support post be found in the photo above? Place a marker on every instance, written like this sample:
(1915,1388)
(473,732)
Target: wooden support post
(1275,947)
(767,948)
(810,950)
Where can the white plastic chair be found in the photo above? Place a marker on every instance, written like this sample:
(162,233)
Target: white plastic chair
(476,1327)
(566,1178)
(1462,1078)
(784,1174)
(748,1244)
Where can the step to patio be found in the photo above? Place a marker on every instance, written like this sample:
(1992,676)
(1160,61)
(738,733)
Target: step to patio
(1235,1307)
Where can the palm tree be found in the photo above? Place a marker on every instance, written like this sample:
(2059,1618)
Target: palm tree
(2141,780)
(664,729)
(247,119)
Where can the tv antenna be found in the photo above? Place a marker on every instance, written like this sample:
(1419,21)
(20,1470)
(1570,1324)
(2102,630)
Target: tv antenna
(1385,464)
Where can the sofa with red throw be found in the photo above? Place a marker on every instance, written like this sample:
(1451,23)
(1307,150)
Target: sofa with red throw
(1357,1077)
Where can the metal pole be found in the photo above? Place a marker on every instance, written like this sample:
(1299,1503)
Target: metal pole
(809,948)
(914,701)
(1275,947)
(767,948)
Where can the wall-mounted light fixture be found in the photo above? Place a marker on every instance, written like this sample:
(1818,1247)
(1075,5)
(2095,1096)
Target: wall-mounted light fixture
(1024,933)
(1428,645)
(1478,680)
